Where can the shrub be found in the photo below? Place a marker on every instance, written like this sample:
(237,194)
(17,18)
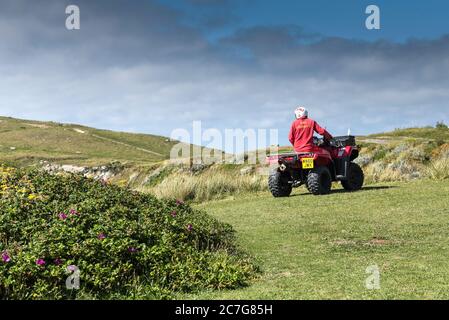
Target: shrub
(125,244)
(158,176)
(441,152)
(399,170)
(438,169)
(441,125)
(380,154)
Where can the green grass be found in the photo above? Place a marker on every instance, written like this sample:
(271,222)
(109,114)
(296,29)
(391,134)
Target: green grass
(25,142)
(319,247)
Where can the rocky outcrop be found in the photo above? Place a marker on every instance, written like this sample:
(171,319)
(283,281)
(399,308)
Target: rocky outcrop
(105,172)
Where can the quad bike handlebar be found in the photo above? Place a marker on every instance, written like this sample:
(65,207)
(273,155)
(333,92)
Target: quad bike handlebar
(321,142)
(337,142)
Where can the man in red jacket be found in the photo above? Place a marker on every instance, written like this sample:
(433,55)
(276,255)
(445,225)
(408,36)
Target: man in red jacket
(302,130)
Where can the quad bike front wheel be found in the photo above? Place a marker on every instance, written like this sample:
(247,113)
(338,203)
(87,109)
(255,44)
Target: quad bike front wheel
(278,184)
(355,178)
(319,181)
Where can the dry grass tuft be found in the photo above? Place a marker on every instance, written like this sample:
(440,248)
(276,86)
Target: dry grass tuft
(212,184)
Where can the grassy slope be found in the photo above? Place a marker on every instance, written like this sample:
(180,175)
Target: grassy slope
(417,133)
(319,247)
(32,140)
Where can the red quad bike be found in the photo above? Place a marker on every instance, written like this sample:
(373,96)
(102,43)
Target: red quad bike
(330,161)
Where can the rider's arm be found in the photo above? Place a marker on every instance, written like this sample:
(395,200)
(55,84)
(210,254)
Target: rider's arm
(322,131)
(291,134)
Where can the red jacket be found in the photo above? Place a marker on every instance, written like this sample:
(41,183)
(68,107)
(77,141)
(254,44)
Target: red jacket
(301,134)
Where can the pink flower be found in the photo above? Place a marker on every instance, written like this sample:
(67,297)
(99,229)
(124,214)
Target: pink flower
(179,202)
(57,261)
(72,268)
(5,257)
(189,227)
(173,214)
(132,250)
(101,236)
(73,212)
(40,262)
(62,216)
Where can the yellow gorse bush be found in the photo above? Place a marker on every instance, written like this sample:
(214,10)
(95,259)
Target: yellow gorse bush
(8,185)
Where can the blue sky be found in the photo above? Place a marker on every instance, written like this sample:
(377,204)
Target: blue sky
(156,65)
(401,19)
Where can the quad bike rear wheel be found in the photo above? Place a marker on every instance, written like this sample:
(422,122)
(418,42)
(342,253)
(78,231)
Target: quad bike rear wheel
(319,181)
(355,178)
(278,184)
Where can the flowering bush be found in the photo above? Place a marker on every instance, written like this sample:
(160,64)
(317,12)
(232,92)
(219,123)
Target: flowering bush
(125,244)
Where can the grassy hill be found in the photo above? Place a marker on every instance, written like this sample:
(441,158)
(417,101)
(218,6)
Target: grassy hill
(25,142)
(440,133)
(406,154)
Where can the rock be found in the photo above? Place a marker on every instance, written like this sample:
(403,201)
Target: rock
(364,160)
(72,169)
(133,177)
(415,175)
(198,167)
(98,173)
(246,171)
(400,149)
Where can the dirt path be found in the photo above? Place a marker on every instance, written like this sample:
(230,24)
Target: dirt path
(126,145)
(376,141)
